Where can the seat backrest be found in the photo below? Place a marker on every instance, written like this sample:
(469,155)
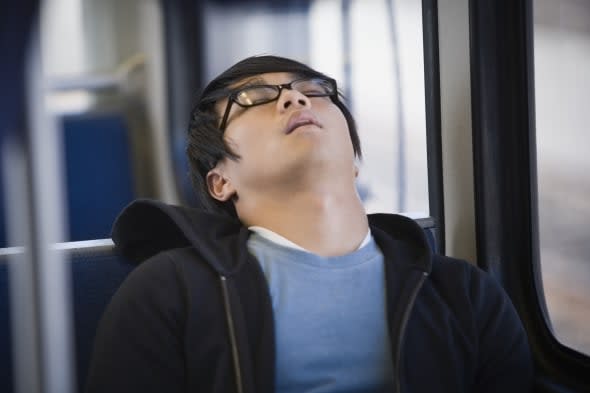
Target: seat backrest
(428,226)
(97,272)
(99,173)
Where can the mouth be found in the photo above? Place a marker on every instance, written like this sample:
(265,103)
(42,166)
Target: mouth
(300,119)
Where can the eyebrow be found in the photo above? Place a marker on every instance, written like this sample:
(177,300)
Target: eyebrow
(252,82)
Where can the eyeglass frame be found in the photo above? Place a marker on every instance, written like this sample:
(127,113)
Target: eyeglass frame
(232,98)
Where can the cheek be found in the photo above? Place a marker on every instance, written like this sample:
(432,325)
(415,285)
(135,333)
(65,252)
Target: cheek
(342,137)
(338,121)
(239,138)
(250,144)
(343,122)
(332,115)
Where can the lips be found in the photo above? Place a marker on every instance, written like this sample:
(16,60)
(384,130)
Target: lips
(299,119)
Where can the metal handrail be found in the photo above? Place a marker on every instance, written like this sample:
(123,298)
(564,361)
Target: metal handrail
(118,79)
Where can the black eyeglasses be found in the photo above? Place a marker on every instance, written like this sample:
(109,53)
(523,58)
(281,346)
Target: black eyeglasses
(249,96)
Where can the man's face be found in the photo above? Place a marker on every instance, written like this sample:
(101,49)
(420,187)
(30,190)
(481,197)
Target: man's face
(283,139)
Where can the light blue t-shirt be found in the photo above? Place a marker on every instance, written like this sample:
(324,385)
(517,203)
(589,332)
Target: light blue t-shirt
(330,318)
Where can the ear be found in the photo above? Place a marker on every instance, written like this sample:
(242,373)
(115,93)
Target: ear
(356,171)
(219,186)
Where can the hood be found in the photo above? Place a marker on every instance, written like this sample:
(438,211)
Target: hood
(402,238)
(147,227)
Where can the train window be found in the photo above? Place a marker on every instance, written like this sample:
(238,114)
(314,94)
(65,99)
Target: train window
(562,51)
(374,50)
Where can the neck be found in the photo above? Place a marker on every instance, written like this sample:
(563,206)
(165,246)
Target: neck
(325,222)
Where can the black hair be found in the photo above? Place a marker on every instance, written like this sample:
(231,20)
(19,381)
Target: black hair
(206,146)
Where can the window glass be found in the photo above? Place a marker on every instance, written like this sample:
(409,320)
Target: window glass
(376,56)
(562,83)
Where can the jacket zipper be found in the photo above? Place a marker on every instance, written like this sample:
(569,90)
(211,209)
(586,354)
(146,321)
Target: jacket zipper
(232,335)
(405,319)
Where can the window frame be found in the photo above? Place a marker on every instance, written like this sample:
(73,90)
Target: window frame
(433,120)
(505,176)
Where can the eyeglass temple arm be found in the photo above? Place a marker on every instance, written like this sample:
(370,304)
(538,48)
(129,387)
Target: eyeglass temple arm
(226,114)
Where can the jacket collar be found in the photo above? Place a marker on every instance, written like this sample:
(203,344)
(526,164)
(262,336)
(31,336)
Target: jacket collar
(147,227)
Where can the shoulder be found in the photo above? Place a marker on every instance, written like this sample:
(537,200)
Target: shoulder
(477,316)
(470,281)
(160,268)
(474,300)
(154,301)
(151,285)
(453,272)
(447,271)
(166,274)
(504,361)
(480,303)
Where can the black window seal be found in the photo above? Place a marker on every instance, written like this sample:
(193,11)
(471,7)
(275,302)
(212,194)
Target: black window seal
(505,178)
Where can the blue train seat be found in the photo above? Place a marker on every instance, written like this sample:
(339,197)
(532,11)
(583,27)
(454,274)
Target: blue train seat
(99,172)
(97,272)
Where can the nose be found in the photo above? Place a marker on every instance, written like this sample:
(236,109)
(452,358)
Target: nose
(292,97)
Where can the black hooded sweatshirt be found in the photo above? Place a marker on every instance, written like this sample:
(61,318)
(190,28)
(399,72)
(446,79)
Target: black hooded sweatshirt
(196,315)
